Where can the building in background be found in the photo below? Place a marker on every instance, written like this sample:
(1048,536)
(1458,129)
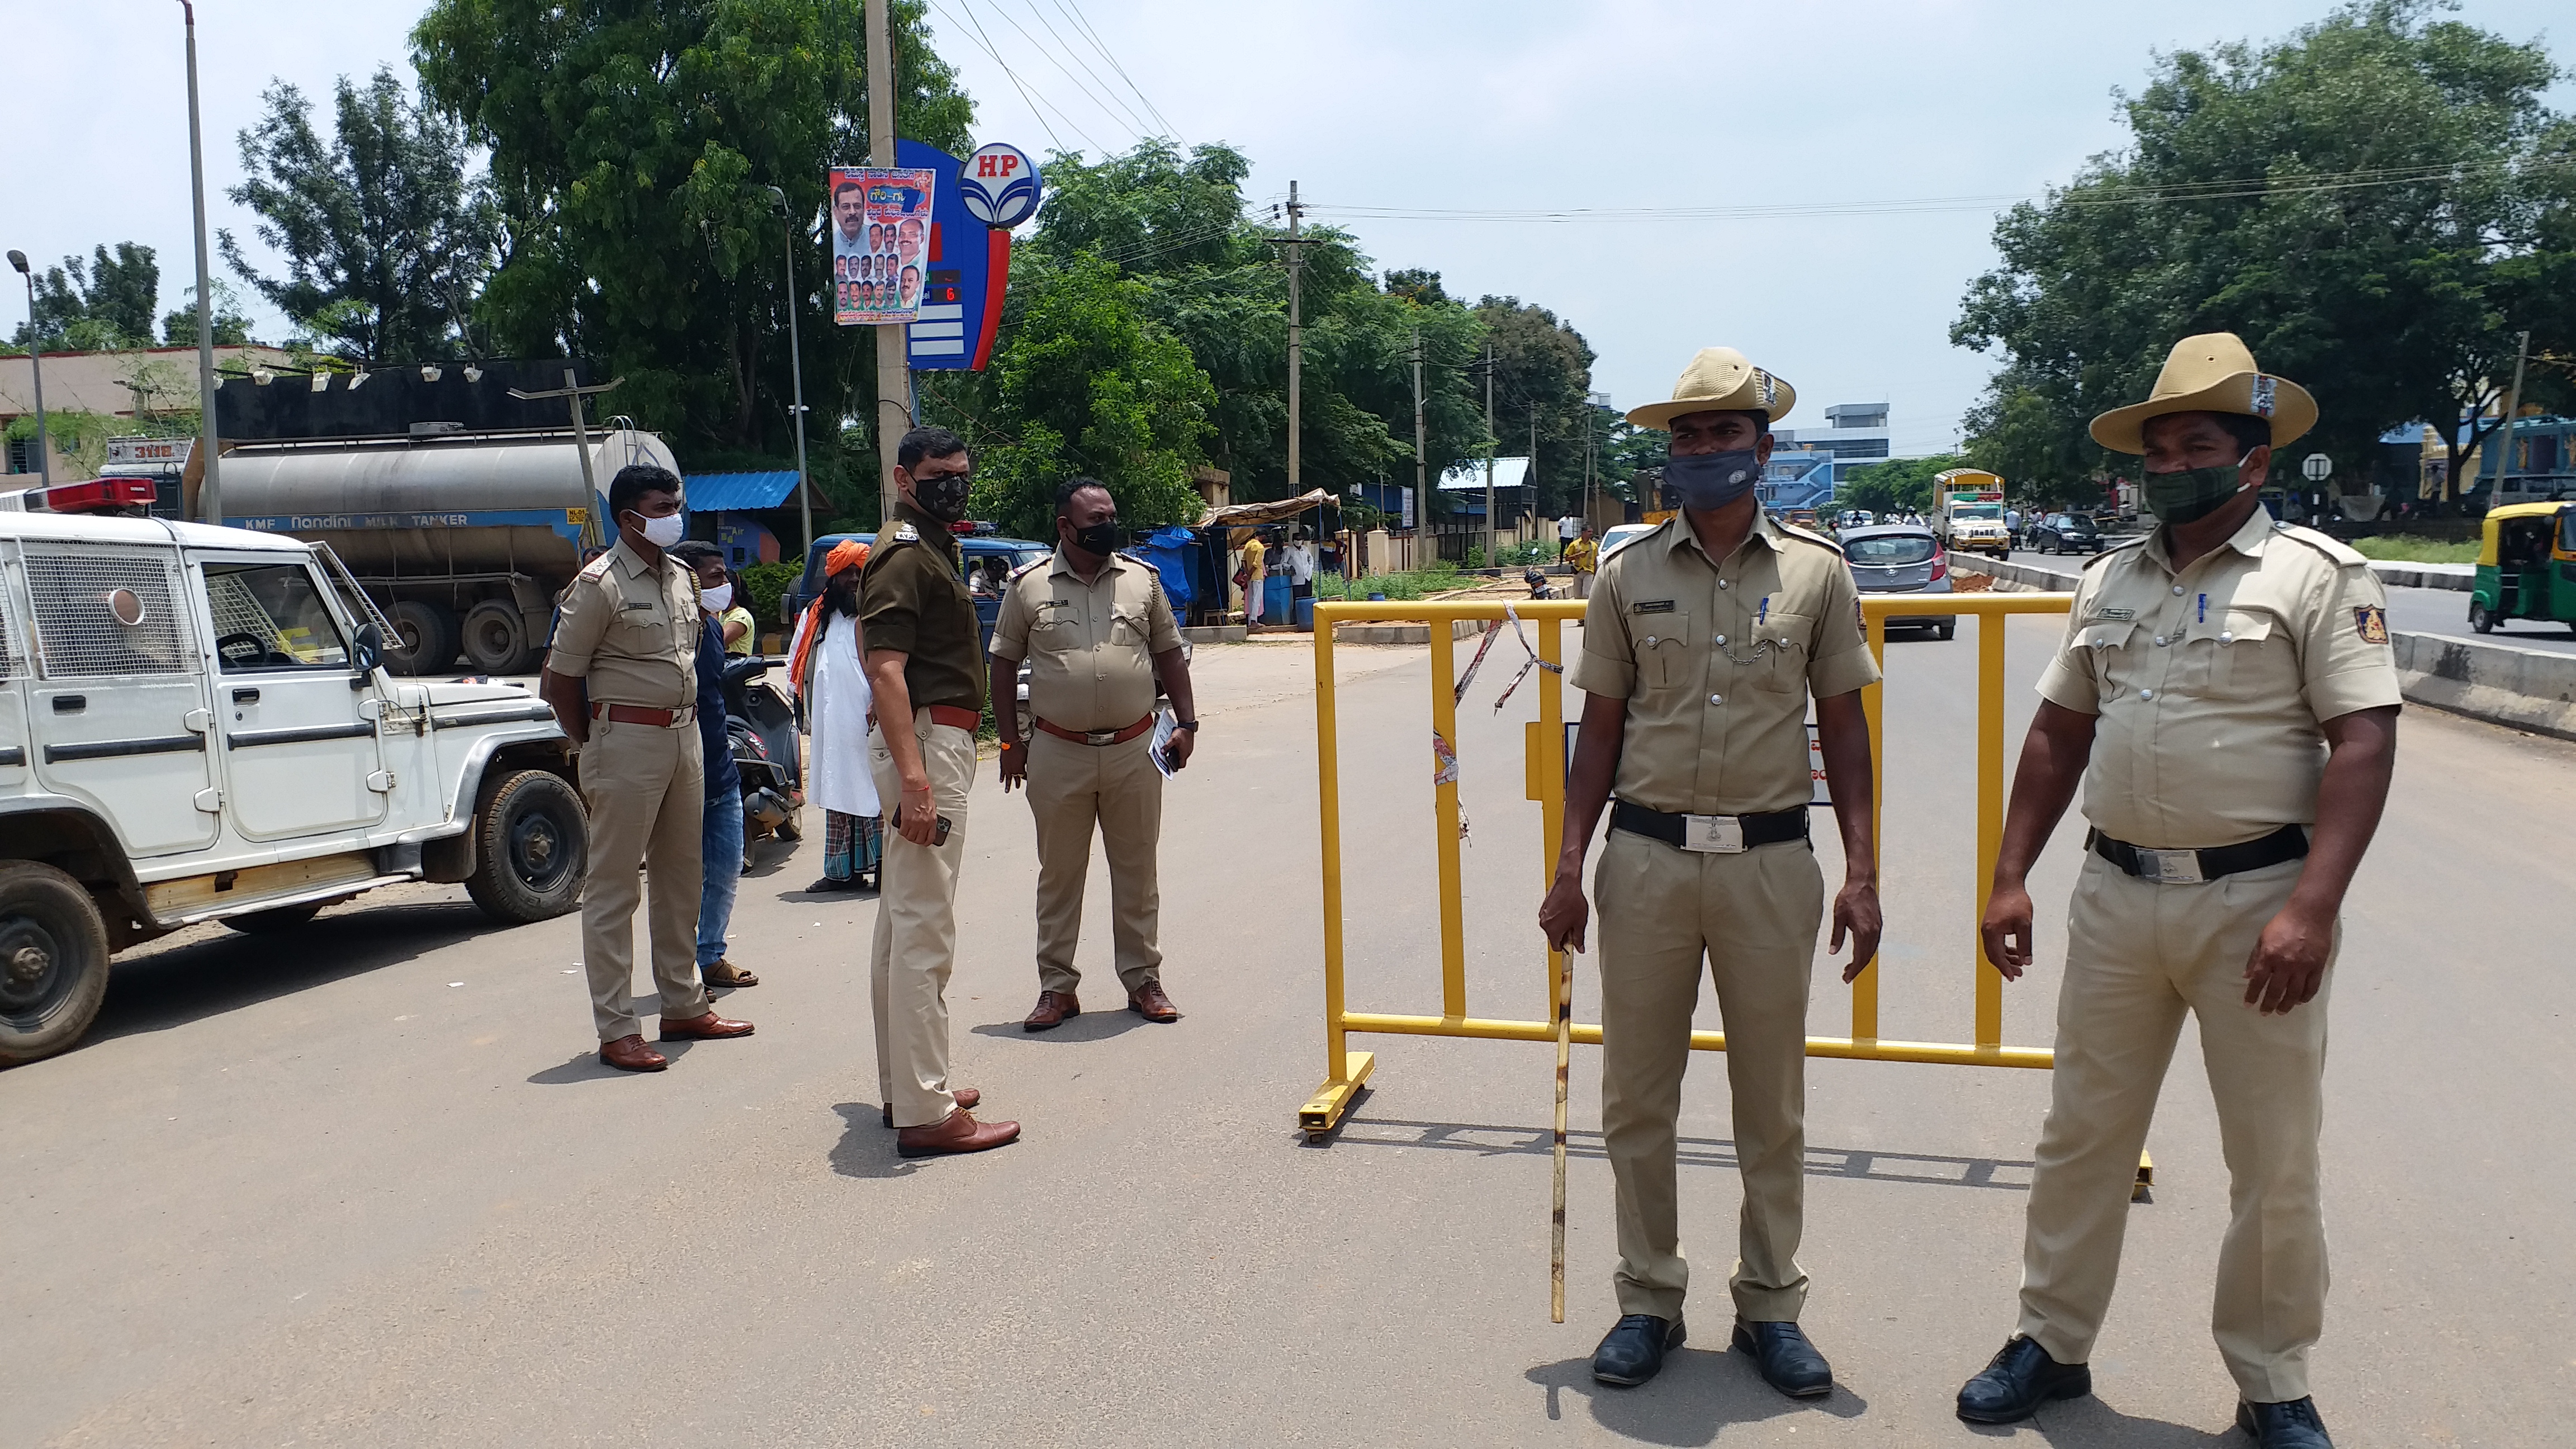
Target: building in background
(1808,465)
(141,392)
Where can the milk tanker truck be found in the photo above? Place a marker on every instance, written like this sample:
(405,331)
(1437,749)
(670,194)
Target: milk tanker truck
(461,510)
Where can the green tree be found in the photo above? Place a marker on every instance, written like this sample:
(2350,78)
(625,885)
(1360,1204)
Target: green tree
(1087,383)
(1895,485)
(232,329)
(1542,373)
(387,236)
(2354,201)
(100,305)
(633,148)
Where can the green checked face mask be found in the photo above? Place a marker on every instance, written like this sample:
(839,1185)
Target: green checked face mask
(2193,493)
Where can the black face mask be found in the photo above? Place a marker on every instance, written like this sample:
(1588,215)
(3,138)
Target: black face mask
(2191,494)
(1712,480)
(1099,538)
(943,497)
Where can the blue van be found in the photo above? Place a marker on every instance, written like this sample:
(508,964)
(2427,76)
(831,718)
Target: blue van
(989,560)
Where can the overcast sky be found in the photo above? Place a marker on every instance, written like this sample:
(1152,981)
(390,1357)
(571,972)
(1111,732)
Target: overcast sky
(1480,105)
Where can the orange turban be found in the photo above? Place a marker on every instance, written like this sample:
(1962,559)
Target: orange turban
(848,554)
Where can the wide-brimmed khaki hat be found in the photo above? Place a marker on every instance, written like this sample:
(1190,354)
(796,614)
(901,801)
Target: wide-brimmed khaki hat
(1719,379)
(2211,373)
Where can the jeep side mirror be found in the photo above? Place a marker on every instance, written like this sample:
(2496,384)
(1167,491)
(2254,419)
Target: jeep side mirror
(370,648)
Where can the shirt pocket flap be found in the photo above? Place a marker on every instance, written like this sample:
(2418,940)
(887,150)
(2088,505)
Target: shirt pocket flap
(1663,644)
(2231,627)
(2103,634)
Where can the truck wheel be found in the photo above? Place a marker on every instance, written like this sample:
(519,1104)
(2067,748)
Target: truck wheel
(531,848)
(424,639)
(496,641)
(276,918)
(53,961)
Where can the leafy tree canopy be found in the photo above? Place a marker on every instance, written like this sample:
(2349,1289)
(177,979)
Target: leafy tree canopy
(2236,207)
(1895,485)
(100,305)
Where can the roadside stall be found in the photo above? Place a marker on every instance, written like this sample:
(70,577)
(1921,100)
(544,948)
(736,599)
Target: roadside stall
(1224,532)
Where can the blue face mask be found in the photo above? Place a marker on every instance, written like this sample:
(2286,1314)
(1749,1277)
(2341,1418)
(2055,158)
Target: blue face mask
(1712,480)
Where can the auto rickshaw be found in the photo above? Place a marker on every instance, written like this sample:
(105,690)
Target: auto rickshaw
(2526,566)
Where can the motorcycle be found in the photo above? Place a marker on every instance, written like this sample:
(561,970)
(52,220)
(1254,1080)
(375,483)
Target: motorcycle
(760,726)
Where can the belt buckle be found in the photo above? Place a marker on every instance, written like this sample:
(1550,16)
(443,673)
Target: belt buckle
(2171,867)
(1100,737)
(1713,834)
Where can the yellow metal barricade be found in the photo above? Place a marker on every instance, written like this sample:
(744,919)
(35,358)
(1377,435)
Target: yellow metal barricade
(1347,1070)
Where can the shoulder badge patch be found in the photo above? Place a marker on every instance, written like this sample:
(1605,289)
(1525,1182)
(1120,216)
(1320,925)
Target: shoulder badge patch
(906,533)
(1651,606)
(1031,564)
(2371,621)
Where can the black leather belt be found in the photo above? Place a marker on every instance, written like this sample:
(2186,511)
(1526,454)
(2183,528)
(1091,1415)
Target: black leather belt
(1721,834)
(2190,867)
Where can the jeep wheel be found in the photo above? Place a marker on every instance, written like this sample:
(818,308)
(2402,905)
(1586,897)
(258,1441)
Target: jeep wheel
(275,918)
(531,845)
(53,961)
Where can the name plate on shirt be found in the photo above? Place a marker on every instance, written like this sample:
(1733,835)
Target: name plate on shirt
(1715,834)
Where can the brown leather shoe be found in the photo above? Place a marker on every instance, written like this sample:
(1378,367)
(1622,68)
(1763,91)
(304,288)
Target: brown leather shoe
(1149,1002)
(629,1054)
(709,1027)
(725,973)
(966,1097)
(960,1133)
(1055,1008)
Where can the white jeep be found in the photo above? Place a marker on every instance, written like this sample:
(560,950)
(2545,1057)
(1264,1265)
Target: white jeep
(195,725)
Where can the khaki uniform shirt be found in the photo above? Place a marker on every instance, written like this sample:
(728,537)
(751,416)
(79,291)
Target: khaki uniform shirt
(630,631)
(913,599)
(1090,647)
(1716,660)
(2209,683)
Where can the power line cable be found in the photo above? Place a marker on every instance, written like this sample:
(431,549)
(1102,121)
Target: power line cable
(1027,92)
(1083,22)
(1040,48)
(1040,17)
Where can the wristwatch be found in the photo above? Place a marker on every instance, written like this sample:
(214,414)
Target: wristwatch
(1179,725)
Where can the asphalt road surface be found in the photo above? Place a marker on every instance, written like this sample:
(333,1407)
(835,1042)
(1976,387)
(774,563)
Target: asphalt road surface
(366,1184)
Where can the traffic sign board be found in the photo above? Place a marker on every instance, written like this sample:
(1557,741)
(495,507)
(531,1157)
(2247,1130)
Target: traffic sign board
(2318,467)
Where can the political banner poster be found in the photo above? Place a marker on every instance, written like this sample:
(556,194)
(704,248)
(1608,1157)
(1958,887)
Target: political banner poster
(881,243)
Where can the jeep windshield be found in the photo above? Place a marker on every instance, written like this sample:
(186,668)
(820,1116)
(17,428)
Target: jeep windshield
(1993,512)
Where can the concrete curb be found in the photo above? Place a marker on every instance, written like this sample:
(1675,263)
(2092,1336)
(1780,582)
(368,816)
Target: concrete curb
(1215,634)
(2523,689)
(1359,633)
(2458,578)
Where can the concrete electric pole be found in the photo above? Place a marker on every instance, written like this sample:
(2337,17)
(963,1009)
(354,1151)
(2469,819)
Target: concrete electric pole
(894,368)
(2512,405)
(1421,433)
(1296,340)
(1490,557)
(210,494)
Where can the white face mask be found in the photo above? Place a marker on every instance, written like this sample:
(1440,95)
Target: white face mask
(664,531)
(717,599)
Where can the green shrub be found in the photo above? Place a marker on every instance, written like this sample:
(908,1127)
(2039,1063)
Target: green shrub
(2405,548)
(769,583)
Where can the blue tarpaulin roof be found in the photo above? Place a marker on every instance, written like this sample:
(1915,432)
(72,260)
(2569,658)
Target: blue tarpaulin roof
(726,492)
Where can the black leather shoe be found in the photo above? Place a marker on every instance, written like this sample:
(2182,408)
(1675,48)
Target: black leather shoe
(2021,1378)
(1633,1350)
(2291,1425)
(1788,1362)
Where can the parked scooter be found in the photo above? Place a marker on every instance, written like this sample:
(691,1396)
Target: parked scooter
(761,725)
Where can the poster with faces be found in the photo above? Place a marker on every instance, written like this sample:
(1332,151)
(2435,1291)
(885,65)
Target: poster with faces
(880,231)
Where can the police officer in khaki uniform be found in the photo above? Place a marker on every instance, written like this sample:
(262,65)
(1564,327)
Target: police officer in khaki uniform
(2227,696)
(1701,645)
(622,677)
(1099,635)
(925,673)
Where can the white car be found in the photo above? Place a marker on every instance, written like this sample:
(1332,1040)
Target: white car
(196,725)
(1622,534)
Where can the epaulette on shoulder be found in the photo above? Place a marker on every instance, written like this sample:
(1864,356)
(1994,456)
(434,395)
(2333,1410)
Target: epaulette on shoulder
(595,569)
(1818,539)
(1033,564)
(2344,554)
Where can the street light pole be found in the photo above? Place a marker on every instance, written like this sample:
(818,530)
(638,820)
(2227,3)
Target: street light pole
(36,360)
(796,370)
(209,494)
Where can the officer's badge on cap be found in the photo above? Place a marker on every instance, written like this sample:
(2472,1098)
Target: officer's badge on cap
(2211,373)
(1720,379)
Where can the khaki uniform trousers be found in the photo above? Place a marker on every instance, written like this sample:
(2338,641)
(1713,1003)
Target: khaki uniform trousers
(1072,789)
(2139,955)
(645,787)
(1753,916)
(916,937)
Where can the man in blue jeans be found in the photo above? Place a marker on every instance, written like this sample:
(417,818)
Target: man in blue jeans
(723,838)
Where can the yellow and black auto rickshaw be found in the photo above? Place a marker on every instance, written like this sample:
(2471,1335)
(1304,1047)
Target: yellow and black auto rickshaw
(2526,566)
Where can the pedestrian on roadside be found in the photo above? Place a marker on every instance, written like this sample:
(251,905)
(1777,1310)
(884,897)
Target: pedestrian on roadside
(1712,632)
(925,669)
(1301,571)
(826,670)
(2228,699)
(733,615)
(721,844)
(622,678)
(1099,635)
(1254,552)
(2012,526)
(1583,555)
